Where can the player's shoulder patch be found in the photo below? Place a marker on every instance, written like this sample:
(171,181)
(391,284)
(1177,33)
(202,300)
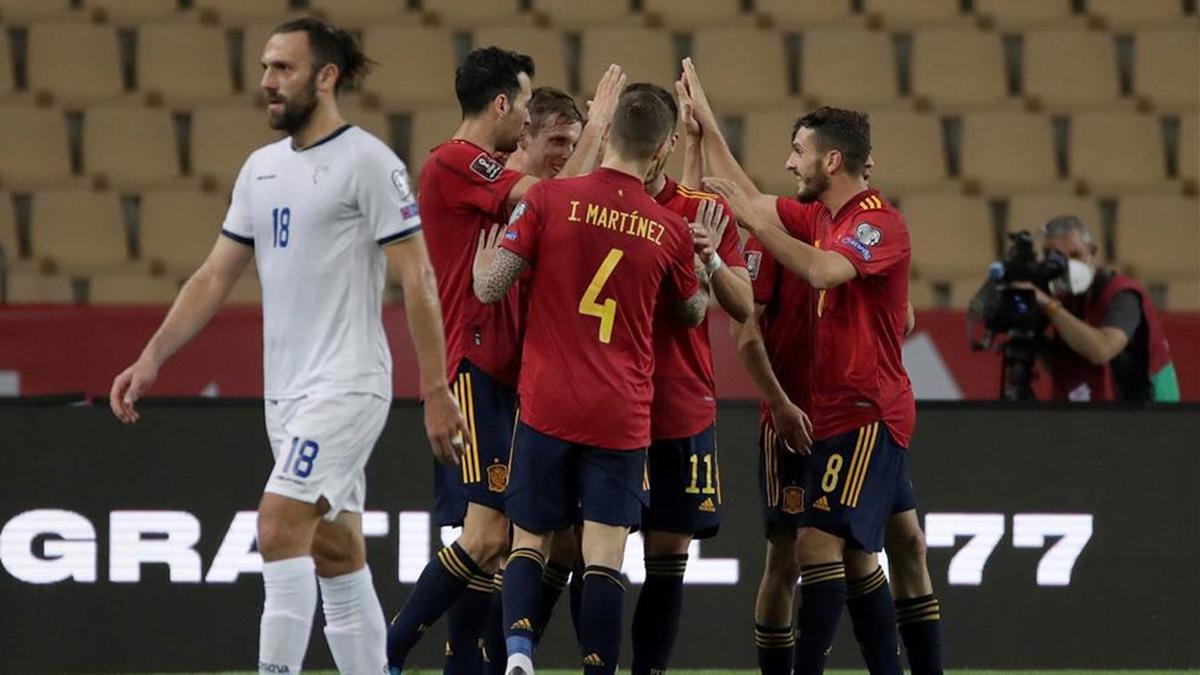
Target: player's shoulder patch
(517,212)
(867,234)
(753,263)
(486,167)
(401,183)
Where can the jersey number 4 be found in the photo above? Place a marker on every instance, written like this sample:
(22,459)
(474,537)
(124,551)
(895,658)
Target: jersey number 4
(605,311)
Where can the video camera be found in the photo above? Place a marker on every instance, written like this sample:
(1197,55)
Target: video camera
(1014,311)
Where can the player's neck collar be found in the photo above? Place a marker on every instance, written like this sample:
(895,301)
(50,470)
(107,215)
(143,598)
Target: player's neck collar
(336,132)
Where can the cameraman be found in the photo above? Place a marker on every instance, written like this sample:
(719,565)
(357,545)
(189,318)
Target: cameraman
(1106,342)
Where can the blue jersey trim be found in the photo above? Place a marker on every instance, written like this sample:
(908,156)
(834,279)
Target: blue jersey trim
(248,241)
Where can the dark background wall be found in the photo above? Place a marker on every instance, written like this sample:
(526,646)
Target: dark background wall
(1123,482)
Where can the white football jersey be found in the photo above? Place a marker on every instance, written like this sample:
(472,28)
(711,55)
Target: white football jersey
(318,219)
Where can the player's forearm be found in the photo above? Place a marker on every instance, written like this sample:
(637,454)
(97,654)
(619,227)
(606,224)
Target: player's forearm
(1089,342)
(691,311)
(693,162)
(731,287)
(493,283)
(424,314)
(720,162)
(199,299)
(752,352)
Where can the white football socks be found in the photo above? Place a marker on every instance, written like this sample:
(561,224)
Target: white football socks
(289,602)
(354,623)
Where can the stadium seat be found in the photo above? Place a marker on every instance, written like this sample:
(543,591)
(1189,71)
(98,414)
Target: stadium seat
(374,121)
(7,84)
(645,54)
(1031,210)
(1166,67)
(546,46)
(1183,295)
(222,138)
(951,235)
(130,288)
(33,147)
(914,13)
(1189,147)
(397,48)
(1158,235)
(573,14)
(131,12)
(1024,13)
(1125,14)
(724,56)
(184,63)
(1008,150)
(834,74)
(78,230)
(22,12)
(962,289)
(10,250)
(430,128)
(908,150)
(804,14)
(1066,68)
(241,12)
(694,13)
(31,287)
(360,13)
(73,61)
(1116,149)
(128,146)
(178,228)
(958,67)
(473,12)
(765,146)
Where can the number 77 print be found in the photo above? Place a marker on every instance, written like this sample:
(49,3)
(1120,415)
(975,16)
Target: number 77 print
(1030,530)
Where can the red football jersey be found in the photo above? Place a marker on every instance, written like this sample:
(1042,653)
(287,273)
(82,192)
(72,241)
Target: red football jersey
(787,322)
(858,372)
(603,255)
(685,398)
(463,192)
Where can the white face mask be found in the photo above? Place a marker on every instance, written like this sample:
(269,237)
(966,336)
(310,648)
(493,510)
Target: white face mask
(1079,276)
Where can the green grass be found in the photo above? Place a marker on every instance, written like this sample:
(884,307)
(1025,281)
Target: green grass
(829,672)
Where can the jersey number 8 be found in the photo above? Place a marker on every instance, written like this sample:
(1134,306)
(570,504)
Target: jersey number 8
(303,464)
(607,310)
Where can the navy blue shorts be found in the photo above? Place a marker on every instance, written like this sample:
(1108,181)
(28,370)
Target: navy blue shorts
(553,484)
(858,480)
(685,486)
(490,408)
(782,480)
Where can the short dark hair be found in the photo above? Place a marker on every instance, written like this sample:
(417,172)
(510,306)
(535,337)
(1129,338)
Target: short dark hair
(331,45)
(847,131)
(485,74)
(641,122)
(550,106)
(663,95)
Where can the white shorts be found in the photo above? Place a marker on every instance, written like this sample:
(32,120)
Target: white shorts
(321,445)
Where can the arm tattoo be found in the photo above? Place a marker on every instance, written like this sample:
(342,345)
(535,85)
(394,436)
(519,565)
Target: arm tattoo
(505,269)
(691,311)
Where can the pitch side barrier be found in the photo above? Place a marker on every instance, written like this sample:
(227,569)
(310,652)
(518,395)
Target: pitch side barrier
(1058,537)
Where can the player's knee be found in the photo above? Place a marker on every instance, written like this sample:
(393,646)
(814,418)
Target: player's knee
(665,543)
(278,539)
(907,548)
(485,545)
(814,547)
(782,568)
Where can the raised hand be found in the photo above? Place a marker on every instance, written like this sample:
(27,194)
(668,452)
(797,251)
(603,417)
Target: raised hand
(604,103)
(686,118)
(701,109)
(709,228)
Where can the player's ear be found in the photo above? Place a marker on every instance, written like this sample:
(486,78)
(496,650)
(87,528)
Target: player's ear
(834,162)
(327,77)
(502,105)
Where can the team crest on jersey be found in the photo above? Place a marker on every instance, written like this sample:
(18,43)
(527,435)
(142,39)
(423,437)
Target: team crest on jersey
(400,180)
(793,499)
(867,234)
(862,249)
(517,213)
(319,173)
(753,261)
(497,477)
(487,167)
